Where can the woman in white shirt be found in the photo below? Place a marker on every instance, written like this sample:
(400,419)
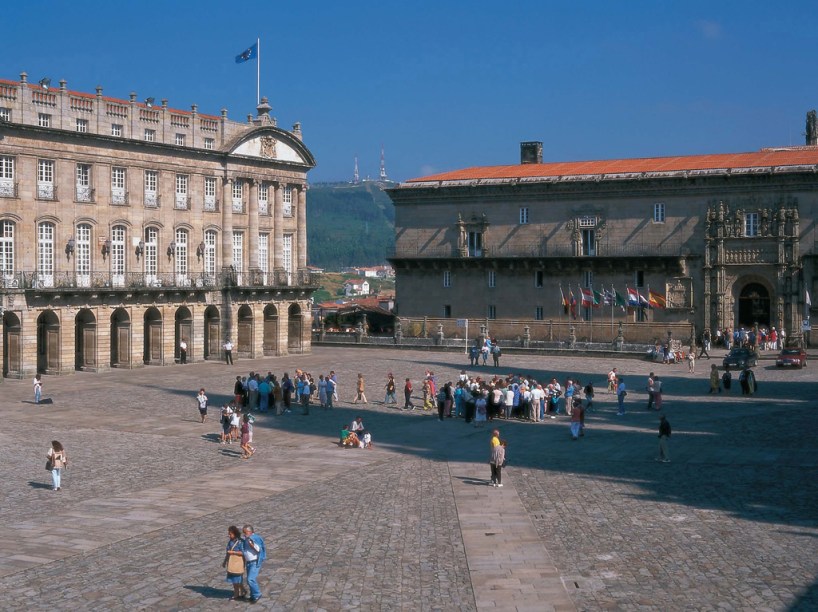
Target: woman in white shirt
(56,461)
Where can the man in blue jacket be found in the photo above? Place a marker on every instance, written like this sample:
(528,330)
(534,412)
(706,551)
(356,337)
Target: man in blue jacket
(254,555)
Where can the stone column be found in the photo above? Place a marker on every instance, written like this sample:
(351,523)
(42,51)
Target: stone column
(227,223)
(278,227)
(252,227)
(302,225)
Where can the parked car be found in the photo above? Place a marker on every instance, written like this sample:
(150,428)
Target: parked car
(796,357)
(740,358)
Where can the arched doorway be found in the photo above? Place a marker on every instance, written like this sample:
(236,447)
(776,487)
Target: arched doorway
(245,335)
(294,326)
(12,345)
(48,342)
(183,331)
(754,305)
(120,339)
(153,337)
(270,330)
(212,333)
(85,340)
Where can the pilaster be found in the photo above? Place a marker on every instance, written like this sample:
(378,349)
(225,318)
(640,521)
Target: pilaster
(302,225)
(252,226)
(227,223)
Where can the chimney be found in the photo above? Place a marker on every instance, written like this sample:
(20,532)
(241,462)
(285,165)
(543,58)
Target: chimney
(531,152)
(812,129)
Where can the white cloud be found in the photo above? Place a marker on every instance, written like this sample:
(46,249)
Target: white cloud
(711,30)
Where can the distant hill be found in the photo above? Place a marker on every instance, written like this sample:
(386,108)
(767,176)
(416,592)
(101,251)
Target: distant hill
(349,225)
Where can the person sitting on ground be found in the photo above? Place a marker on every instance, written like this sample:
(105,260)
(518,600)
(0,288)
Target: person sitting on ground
(357,425)
(366,440)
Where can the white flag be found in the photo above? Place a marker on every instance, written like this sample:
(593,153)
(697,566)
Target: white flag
(807,299)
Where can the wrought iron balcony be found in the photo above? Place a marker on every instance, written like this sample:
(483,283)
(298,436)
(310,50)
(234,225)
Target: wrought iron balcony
(211,204)
(119,197)
(8,188)
(540,250)
(46,191)
(85,194)
(181,202)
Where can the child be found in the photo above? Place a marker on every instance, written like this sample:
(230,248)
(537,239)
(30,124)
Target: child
(201,400)
(691,362)
(367,440)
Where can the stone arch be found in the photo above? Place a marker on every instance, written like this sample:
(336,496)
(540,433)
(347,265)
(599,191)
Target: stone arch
(244,344)
(85,340)
(295,326)
(120,339)
(12,345)
(212,333)
(48,342)
(270,341)
(754,304)
(153,337)
(183,330)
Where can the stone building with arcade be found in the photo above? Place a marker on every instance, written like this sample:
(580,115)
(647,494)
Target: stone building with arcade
(128,227)
(728,239)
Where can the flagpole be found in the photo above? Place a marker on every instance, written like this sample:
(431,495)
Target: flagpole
(613,303)
(258,71)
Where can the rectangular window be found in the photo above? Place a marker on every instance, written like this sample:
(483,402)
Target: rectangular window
(210,254)
(45,180)
(238,254)
(659,212)
(588,243)
(7,189)
(287,255)
(150,135)
(587,222)
(639,278)
(588,278)
(118,255)
(116,129)
(287,200)
(475,244)
(538,313)
(45,254)
(181,201)
(264,254)
(119,195)
(84,192)
(82,125)
(263,203)
(447,278)
(210,193)
(751,224)
(447,311)
(151,183)
(209,143)
(524,215)
(180,257)
(492,279)
(7,249)
(539,278)
(5,114)
(44,120)
(238,195)
(151,255)
(492,311)
(180,140)
(82,255)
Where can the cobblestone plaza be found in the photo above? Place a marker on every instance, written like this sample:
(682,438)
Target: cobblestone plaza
(731,523)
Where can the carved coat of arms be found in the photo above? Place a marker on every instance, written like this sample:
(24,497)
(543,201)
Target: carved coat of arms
(268,147)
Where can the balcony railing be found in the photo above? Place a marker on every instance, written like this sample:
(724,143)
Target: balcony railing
(211,204)
(152,199)
(8,188)
(162,280)
(119,197)
(674,249)
(85,194)
(181,202)
(46,191)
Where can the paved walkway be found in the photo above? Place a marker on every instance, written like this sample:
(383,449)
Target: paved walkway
(595,524)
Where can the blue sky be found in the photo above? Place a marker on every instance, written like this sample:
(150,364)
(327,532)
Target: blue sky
(448,84)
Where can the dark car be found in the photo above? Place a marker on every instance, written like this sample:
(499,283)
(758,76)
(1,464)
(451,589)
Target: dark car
(740,358)
(796,357)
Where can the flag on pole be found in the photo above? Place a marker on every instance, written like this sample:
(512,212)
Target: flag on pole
(807,299)
(248,54)
(564,301)
(619,300)
(573,302)
(587,297)
(608,298)
(633,296)
(599,299)
(656,300)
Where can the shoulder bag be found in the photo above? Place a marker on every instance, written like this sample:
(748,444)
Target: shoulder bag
(235,563)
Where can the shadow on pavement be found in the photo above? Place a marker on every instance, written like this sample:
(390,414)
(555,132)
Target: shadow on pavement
(39,485)
(210,592)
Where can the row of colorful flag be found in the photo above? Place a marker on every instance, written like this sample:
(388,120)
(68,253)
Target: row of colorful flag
(590,298)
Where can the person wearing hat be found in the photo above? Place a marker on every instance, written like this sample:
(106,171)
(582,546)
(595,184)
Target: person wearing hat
(497,458)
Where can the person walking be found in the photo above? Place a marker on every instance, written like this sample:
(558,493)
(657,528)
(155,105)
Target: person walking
(495,354)
(705,344)
(254,555)
(664,435)
(360,396)
(201,401)
(691,362)
(228,352)
(183,351)
(331,394)
(56,460)
(715,384)
(234,562)
(651,390)
(390,391)
(38,388)
(657,393)
(246,433)
(621,394)
(497,458)
(577,417)
(407,395)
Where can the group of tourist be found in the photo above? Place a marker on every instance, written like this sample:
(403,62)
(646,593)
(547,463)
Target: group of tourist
(746,379)
(761,338)
(257,392)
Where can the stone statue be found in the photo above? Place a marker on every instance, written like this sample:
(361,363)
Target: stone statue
(812,129)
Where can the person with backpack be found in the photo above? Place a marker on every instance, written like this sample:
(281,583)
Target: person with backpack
(254,555)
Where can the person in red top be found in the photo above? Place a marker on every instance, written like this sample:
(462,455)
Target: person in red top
(577,418)
(407,395)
